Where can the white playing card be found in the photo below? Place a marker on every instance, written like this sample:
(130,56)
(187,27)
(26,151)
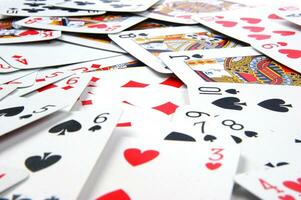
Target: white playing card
(177,172)
(39,8)
(278,183)
(49,54)
(48,150)
(7,77)
(290,13)
(113,6)
(6,68)
(25,81)
(95,41)
(146,45)
(6,90)
(182,11)
(10,177)
(101,24)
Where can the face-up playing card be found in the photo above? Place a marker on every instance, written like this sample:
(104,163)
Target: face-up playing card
(95,41)
(25,81)
(22,111)
(182,11)
(40,8)
(47,150)
(176,171)
(236,65)
(264,31)
(106,5)
(146,45)
(100,24)
(8,34)
(278,183)
(6,68)
(290,13)
(7,77)
(10,177)
(49,54)
(6,90)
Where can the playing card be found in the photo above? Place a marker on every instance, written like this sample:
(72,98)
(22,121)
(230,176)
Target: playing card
(236,65)
(290,13)
(47,151)
(107,23)
(278,183)
(25,81)
(264,30)
(6,68)
(49,54)
(127,162)
(152,23)
(7,77)
(40,8)
(95,41)
(146,45)
(6,90)
(182,11)
(10,177)
(106,5)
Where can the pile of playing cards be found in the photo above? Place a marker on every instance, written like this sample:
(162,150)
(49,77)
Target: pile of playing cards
(150,99)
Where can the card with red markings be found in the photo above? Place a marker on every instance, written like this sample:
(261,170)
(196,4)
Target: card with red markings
(6,68)
(177,168)
(290,13)
(10,177)
(262,29)
(278,183)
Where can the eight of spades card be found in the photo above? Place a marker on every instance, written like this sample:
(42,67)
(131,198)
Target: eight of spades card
(71,141)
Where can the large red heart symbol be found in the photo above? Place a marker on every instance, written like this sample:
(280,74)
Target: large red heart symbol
(254,28)
(115,195)
(213,166)
(251,20)
(274,16)
(285,33)
(286,197)
(226,23)
(136,157)
(259,36)
(29,32)
(291,53)
(296,186)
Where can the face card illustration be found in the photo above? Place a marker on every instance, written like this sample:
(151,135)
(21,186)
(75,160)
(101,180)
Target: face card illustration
(152,42)
(48,151)
(236,65)
(97,24)
(111,5)
(49,54)
(10,177)
(139,160)
(182,11)
(40,8)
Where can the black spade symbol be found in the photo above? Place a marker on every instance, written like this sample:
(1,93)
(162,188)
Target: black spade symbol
(297,141)
(37,163)
(179,137)
(69,126)
(277,105)
(9,112)
(231,103)
(232,91)
(142,34)
(197,56)
(209,138)
(277,165)
(26,116)
(236,139)
(251,134)
(95,128)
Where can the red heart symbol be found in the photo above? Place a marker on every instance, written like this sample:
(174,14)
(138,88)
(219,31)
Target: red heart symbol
(296,186)
(274,16)
(291,53)
(115,195)
(136,157)
(286,197)
(213,166)
(29,32)
(282,43)
(285,33)
(98,26)
(2,175)
(226,23)
(251,20)
(259,36)
(254,28)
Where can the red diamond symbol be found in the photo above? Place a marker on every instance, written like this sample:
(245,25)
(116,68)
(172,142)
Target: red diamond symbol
(167,108)
(40,80)
(124,124)
(87,102)
(135,84)
(173,82)
(47,87)
(94,79)
(67,87)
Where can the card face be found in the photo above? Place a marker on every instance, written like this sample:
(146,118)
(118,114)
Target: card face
(112,6)
(25,8)
(10,177)
(290,13)
(49,54)
(6,68)
(139,162)
(278,183)
(146,45)
(96,24)
(95,41)
(235,65)
(270,35)
(182,11)
(7,77)
(6,90)
(48,150)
